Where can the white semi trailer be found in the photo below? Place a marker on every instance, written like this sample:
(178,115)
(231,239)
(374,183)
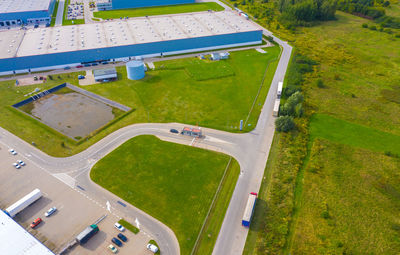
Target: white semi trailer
(280,87)
(23,203)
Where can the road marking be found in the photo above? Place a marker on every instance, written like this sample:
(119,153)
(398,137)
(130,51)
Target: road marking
(137,223)
(65,178)
(108,206)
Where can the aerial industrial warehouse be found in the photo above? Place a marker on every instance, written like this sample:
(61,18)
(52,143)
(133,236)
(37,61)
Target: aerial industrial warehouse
(13,12)
(49,48)
(121,4)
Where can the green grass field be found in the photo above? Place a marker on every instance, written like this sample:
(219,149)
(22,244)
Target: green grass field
(340,131)
(167,94)
(161,10)
(357,111)
(173,183)
(350,202)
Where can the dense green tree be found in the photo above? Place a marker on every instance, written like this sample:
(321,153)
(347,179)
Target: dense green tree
(284,124)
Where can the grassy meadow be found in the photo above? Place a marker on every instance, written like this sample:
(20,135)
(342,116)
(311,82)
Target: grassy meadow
(342,197)
(165,180)
(159,10)
(350,202)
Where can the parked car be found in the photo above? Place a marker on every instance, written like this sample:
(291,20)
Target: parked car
(152,248)
(79,66)
(80,77)
(119,227)
(12,151)
(67,68)
(116,241)
(50,211)
(36,222)
(122,237)
(16,165)
(112,248)
(172,130)
(21,163)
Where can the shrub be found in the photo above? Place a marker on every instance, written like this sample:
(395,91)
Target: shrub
(320,83)
(289,108)
(50,77)
(372,27)
(397,35)
(365,25)
(284,124)
(336,77)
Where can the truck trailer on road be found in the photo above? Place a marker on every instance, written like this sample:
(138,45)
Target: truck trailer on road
(276,108)
(248,212)
(87,233)
(280,88)
(23,203)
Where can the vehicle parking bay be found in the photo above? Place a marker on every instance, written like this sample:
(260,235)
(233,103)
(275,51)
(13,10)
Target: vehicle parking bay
(74,210)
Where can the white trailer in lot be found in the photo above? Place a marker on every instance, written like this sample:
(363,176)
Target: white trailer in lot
(276,108)
(280,87)
(23,203)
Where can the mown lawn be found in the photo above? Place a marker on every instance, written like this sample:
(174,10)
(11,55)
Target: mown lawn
(350,202)
(160,10)
(167,94)
(340,131)
(173,183)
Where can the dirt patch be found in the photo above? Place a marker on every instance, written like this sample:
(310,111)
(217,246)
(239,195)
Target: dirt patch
(72,114)
(30,81)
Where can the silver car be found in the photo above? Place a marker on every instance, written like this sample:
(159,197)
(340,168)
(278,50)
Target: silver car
(50,211)
(16,165)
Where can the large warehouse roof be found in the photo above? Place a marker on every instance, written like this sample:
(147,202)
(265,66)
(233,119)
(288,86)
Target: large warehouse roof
(120,32)
(8,6)
(17,241)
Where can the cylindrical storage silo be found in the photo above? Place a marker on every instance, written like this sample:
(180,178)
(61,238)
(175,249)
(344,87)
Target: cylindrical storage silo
(135,70)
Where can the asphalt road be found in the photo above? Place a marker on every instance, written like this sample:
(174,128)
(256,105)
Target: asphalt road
(250,150)
(60,13)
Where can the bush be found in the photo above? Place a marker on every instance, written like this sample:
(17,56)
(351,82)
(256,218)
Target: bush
(284,124)
(365,25)
(372,27)
(50,77)
(397,36)
(289,108)
(320,84)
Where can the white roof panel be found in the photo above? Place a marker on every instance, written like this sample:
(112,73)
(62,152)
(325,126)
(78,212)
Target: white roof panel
(9,6)
(120,32)
(16,241)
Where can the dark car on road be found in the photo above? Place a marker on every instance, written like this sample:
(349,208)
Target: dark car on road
(116,241)
(122,237)
(172,130)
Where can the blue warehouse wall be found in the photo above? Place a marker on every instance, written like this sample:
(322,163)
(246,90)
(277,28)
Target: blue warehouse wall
(121,4)
(28,62)
(24,16)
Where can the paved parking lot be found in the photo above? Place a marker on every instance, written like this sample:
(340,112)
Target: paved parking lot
(75,210)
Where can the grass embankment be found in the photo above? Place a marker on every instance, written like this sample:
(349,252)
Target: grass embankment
(214,221)
(167,94)
(173,183)
(54,15)
(68,22)
(160,10)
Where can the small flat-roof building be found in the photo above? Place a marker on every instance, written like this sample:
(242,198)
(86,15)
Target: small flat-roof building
(17,12)
(15,240)
(103,5)
(104,75)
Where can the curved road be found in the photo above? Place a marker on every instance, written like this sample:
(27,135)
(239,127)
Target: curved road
(250,150)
